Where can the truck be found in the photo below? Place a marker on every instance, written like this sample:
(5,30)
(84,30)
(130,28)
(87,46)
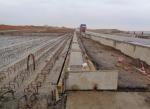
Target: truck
(83,28)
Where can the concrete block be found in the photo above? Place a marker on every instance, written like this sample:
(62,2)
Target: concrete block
(102,80)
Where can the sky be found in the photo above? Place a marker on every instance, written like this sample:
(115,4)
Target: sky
(117,14)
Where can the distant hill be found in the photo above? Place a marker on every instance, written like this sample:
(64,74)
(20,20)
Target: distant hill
(31,28)
(10,27)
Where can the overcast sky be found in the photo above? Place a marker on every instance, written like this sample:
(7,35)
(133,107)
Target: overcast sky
(121,14)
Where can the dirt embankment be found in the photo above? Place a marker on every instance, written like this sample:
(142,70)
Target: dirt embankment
(8,27)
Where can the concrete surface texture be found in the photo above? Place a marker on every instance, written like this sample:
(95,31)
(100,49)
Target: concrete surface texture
(76,61)
(107,100)
(75,47)
(99,80)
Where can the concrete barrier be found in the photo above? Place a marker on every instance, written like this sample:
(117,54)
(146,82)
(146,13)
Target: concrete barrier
(135,51)
(99,80)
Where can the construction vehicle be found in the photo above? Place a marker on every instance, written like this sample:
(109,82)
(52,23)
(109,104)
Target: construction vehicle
(82,28)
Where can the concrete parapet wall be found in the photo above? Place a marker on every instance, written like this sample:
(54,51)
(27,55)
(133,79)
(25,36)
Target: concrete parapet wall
(125,48)
(100,80)
(143,53)
(133,50)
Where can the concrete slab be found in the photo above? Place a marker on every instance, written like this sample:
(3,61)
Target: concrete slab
(75,39)
(76,61)
(107,100)
(75,47)
(100,80)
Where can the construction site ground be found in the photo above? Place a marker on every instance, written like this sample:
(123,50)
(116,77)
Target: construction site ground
(108,100)
(133,87)
(107,58)
(51,53)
